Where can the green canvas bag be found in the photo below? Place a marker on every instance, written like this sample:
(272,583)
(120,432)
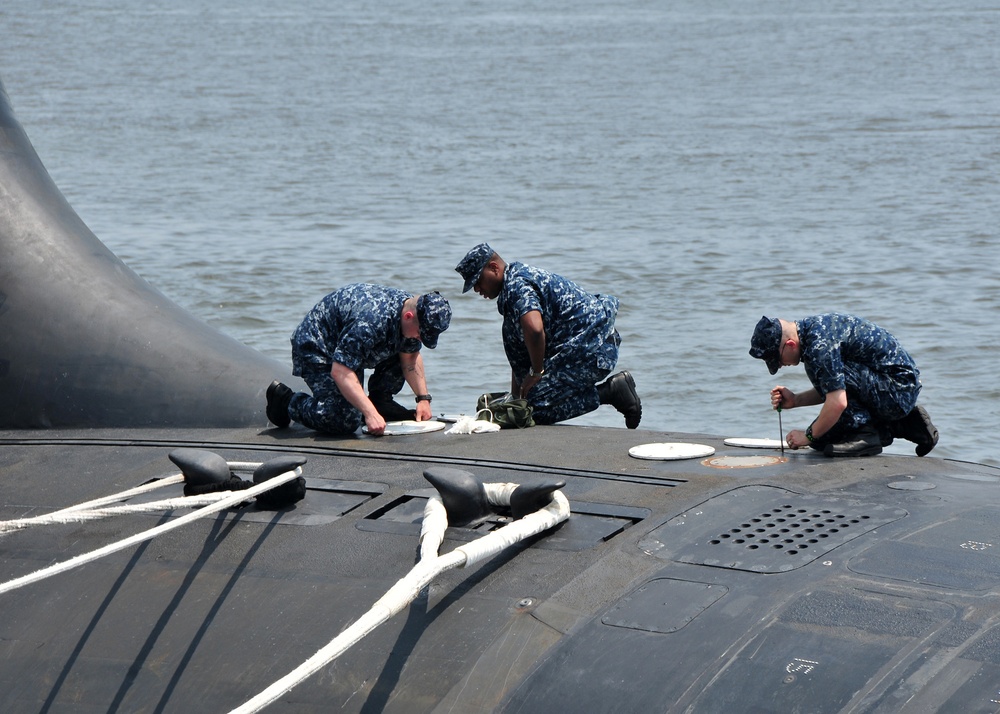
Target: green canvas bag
(500,408)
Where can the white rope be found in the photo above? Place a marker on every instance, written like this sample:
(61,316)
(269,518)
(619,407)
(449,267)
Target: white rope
(17,524)
(427,568)
(91,510)
(227,501)
(166,504)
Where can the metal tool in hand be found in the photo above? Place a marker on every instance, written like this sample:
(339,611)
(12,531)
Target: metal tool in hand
(781,433)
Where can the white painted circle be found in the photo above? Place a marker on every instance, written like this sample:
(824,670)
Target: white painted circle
(398,428)
(755,443)
(670,451)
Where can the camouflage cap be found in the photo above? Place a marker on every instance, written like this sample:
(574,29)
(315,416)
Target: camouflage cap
(473,263)
(434,316)
(765,343)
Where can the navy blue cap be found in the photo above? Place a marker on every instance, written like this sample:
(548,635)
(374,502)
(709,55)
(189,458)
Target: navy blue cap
(434,316)
(473,263)
(765,343)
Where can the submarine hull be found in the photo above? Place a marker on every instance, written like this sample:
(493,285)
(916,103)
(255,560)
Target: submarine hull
(87,342)
(804,584)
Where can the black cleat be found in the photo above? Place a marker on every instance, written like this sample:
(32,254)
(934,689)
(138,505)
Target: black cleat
(278,398)
(618,390)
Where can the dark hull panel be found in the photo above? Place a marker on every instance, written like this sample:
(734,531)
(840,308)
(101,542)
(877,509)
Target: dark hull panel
(807,585)
(86,342)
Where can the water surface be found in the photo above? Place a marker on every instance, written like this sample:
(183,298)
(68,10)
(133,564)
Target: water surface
(707,162)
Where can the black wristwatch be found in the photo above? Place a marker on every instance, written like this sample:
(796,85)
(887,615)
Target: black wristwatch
(423,398)
(533,373)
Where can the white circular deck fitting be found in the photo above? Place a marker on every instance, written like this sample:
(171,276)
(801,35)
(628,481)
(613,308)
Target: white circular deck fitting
(670,451)
(398,428)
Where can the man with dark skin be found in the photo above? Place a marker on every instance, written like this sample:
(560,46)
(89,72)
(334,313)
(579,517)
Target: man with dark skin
(560,340)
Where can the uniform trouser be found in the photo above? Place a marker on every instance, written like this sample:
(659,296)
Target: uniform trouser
(563,394)
(874,399)
(568,388)
(327,410)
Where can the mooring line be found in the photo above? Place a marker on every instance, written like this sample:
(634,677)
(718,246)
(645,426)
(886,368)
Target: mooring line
(227,501)
(166,504)
(16,524)
(90,510)
(430,565)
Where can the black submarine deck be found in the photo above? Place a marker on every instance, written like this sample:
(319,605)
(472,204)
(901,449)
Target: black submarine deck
(741,582)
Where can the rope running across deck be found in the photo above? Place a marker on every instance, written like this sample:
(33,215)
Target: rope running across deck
(429,566)
(227,501)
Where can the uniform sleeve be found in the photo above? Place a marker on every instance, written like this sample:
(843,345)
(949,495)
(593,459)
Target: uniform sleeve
(829,371)
(410,346)
(353,345)
(523,298)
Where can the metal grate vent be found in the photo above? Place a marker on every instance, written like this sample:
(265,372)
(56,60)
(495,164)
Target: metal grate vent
(764,529)
(790,529)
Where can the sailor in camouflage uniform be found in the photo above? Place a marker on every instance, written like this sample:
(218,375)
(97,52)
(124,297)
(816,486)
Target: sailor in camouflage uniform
(867,383)
(359,327)
(559,339)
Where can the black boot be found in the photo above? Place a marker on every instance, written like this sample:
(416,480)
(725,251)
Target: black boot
(278,398)
(864,442)
(390,409)
(918,428)
(618,390)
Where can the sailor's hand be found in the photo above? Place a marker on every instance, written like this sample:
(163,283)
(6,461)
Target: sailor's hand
(782,398)
(375,424)
(527,384)
(423,411)
(796,439)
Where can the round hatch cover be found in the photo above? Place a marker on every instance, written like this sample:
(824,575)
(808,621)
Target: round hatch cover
(670,451)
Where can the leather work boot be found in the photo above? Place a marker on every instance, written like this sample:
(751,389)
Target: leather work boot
(618,390)
(918,428)
(390,409)
(865,442)
(278,398)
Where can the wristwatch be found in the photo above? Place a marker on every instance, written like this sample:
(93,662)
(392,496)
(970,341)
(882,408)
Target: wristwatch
(533,373)
(423,398)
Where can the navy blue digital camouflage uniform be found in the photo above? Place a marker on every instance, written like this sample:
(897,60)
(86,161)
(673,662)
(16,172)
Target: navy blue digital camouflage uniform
(882,381)
(581,342)
(360,327)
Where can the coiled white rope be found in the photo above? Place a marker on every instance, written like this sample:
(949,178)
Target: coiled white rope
(229,499)
(430,565)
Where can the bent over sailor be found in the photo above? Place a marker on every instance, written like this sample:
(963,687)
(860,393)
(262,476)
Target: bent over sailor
(358,327)
(867,383)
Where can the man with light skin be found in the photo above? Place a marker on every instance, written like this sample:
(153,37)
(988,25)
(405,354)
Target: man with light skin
(560,340)
(358,327)
(865,381)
